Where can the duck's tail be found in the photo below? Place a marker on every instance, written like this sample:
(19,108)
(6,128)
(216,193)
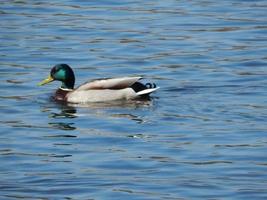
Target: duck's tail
(150,85)
(149,88)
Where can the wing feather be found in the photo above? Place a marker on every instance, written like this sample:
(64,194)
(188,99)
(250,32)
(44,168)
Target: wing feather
(147,91)
(110,83)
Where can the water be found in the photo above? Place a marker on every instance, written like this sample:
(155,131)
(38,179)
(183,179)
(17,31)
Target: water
(203,135)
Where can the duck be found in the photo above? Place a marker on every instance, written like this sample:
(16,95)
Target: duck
(97,90)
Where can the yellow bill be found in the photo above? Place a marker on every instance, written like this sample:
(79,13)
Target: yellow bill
(45,81)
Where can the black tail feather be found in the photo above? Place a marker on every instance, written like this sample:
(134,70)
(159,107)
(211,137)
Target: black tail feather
(150,85)
(137,87)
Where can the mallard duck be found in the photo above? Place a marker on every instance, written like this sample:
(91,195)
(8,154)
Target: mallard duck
(99,90)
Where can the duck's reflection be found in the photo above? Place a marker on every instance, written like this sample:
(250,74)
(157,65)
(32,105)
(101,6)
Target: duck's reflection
(65,111)
(116,109)
(61,112)
(131,104)
(63,126)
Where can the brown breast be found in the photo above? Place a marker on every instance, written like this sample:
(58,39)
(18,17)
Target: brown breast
(60,95)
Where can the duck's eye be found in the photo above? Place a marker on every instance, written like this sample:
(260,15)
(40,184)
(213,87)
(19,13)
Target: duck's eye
(54,70)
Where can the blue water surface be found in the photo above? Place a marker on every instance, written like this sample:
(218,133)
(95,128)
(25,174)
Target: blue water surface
(203,135)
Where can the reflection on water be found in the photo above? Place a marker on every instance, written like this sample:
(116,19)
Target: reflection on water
(62,126)
(69,110)
(105,110)
(201,136)
(65,112)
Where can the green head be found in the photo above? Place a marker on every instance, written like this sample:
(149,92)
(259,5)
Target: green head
(63,73)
